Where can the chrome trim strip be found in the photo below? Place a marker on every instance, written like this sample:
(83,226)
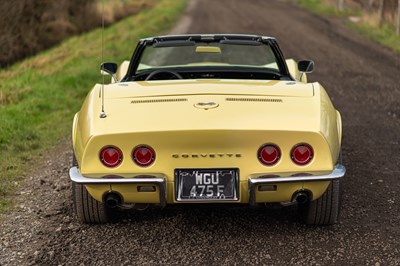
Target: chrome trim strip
(337,173)
(158,179)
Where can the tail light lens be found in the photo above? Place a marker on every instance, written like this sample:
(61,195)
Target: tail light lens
(143,155)
(302,154)
(269,154)
(111,156)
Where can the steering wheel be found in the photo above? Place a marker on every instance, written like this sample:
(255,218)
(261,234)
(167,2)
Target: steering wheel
(154,73)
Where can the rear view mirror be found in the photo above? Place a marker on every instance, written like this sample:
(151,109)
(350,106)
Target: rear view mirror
(306,66)
(109,68)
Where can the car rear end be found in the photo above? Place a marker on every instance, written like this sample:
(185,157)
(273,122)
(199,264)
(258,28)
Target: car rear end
(177,155)
(247,149)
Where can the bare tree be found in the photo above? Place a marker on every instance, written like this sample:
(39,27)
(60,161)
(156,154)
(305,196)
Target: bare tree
(380,11)
(341,5)
(368,6)
(29,26)
(398,18)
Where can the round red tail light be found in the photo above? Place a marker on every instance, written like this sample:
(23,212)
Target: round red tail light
(143,155)
(302,154)
(111,156)
(269,154)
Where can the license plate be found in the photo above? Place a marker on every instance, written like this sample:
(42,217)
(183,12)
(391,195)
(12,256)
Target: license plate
(206,184)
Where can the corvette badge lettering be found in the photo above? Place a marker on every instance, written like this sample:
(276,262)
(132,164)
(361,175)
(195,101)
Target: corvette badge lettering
(206,155)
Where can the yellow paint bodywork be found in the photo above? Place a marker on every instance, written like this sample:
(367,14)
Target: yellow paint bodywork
(250,113)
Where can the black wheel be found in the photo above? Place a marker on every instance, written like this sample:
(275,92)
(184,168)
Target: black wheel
(326,209)
(87,209)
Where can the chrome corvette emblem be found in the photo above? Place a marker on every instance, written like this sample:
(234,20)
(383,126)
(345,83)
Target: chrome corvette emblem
(206,105)
(206,155)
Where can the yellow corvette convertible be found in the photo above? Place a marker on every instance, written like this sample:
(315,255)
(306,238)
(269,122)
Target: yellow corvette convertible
(207,119)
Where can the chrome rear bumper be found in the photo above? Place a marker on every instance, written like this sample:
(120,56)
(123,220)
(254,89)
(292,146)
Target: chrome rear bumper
(337,173)
(151,179)
(160,181)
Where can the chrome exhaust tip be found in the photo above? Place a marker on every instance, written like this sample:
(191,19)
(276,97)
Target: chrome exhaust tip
(301,198)
(112,200)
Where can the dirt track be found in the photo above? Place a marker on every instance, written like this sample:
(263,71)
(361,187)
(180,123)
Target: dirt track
(362,79)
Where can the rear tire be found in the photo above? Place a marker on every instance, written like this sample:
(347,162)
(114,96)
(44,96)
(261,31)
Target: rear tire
(326,209)
(88,210)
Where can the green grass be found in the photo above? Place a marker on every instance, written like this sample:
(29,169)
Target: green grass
(317,6)
(320,7)
(384,35)
(39,96)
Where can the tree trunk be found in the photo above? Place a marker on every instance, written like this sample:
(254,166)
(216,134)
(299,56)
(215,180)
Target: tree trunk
(366,6)
(341,5)
(381,7)
(398,18)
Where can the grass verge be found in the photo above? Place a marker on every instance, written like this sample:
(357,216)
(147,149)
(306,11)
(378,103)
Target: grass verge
(39,96)
(384,35)
(321,7)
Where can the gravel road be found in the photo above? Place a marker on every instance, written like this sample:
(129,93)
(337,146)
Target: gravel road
(363,81)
